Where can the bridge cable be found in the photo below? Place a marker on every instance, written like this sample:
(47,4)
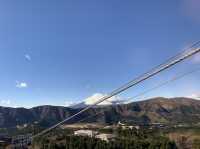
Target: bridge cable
(128,100)
(172,61)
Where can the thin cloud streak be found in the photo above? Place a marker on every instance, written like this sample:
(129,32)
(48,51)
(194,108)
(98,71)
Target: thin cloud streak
(21,84)
(5,102)
(195,96)
(27,57)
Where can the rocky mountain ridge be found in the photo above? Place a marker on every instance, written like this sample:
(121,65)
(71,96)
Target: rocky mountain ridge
(162,110)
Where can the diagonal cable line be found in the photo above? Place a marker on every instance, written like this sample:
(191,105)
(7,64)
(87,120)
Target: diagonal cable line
(178,77)
(172,61)
(184,51)
(159,85)
(164,83)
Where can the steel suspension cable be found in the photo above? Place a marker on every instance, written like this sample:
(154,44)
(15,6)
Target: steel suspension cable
(184,55)
(178,77)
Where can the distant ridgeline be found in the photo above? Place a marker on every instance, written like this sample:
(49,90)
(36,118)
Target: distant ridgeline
(156,110)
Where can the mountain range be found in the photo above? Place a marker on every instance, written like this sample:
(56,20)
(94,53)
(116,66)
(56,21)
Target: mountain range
(155,110)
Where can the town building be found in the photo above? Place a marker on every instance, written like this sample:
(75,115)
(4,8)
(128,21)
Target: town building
(5,139)
(89,133)
(105,137)
(21,140)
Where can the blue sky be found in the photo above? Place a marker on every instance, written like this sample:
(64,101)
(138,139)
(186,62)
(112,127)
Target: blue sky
(55,52)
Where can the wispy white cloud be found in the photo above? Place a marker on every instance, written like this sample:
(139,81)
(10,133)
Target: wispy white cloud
(69,103)
(95,97)
(21,84)
(27,57)
(194,96)
(5,102)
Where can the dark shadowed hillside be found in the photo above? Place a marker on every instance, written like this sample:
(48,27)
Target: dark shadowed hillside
(175,110)
(45,115)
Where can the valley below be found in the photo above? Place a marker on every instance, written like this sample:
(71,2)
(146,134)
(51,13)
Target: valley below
(173,123)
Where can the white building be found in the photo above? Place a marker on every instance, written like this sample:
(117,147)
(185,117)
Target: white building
(105,137)
(89,133)
(120,124)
